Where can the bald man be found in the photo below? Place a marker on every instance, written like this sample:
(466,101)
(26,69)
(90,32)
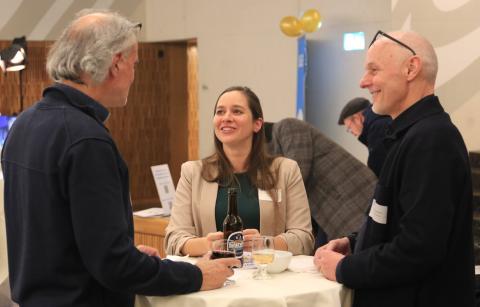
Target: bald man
(67,200)
(416,246)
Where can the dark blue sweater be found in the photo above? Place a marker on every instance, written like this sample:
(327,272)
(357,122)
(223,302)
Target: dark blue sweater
(68,212)
(416,247)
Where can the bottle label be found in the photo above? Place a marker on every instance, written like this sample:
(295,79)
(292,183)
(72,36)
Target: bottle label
(235,243)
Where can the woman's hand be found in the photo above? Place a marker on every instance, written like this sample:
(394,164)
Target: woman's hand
(212,236)
(249,234)
(197,247)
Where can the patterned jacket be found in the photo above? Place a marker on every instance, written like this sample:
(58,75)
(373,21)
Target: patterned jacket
(339,187)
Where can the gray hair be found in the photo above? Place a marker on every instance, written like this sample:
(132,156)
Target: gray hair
(88,46)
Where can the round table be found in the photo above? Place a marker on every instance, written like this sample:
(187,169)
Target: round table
(301,285)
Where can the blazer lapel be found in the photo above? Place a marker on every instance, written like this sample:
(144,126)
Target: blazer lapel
(209,199)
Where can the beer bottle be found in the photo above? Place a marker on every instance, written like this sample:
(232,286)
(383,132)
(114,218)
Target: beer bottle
(233,226)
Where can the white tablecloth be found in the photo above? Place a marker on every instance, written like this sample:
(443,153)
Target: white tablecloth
(299,286)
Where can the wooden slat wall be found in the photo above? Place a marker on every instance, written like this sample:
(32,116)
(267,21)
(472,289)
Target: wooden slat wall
(153,128)
(141,128)
(192,70)
(158,124)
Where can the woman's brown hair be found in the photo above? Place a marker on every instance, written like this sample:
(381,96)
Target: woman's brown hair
(217,167)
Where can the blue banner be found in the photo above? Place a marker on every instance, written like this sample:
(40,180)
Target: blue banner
(301,76)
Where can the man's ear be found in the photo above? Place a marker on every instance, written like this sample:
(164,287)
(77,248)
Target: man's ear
(114,69)
(414,66)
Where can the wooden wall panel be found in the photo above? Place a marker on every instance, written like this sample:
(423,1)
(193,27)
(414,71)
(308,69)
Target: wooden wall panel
(141,128)
(192,88)
(9,84)
(178,113)
(154,126)
(158,124)
(35,76)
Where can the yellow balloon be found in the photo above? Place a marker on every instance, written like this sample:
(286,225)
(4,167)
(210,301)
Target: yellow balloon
(291,26)
(311,21)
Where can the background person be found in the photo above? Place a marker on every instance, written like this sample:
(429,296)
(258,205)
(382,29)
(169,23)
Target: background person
(67,202)
(339,187)
(240,160)
(416,248)
(369,128)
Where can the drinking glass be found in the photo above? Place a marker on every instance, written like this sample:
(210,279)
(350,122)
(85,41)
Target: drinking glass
(263,252)
(220,249)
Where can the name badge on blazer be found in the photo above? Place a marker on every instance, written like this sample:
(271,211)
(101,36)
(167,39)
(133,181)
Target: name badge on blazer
(263,195)
(378,212)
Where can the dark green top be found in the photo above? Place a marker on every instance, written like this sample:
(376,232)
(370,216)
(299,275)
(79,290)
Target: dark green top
(247,203)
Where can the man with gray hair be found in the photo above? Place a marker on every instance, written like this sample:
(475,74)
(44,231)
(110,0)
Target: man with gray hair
(416,246)
(67,203)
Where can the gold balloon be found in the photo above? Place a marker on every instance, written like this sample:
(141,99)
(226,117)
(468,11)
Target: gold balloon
(291,26)
(311,21)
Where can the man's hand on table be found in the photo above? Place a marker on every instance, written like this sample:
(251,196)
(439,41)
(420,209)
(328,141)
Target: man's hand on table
(341,246)
(215,272)
(329,255)
(326,262)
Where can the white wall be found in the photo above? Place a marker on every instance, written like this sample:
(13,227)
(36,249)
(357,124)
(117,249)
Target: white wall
(453,27)
(46,19)
(334,74)
(239,43)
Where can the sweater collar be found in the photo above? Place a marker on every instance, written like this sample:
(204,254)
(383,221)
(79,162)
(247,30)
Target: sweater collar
(425,107)
(79,100)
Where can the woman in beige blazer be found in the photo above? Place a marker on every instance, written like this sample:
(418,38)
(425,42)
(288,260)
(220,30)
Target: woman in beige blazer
(240,151)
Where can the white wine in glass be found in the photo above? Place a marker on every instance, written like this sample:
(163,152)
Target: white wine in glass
(263,258)
(263,253)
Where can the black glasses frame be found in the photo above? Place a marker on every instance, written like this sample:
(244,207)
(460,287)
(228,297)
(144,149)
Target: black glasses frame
(380,32)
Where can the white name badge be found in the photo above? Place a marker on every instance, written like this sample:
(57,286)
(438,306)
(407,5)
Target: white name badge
(378,213)
(263,195)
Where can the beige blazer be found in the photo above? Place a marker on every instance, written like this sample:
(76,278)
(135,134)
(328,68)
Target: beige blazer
(193,211)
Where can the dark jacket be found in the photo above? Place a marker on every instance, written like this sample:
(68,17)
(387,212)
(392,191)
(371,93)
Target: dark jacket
(422,255)
(68,212)
(373,133)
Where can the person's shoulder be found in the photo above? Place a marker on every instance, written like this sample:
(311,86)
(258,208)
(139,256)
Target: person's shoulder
(289,126)
(432,123)
(291,123)
(284,163)
(81,126)
(192,165)
(66,109)
(434,131)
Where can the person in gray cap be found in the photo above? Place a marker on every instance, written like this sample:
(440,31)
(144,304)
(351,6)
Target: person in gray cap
(368,127)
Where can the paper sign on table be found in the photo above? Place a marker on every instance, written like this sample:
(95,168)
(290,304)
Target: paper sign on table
(164,183)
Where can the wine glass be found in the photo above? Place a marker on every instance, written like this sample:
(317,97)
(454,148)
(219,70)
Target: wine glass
(220,249)
(263,252)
